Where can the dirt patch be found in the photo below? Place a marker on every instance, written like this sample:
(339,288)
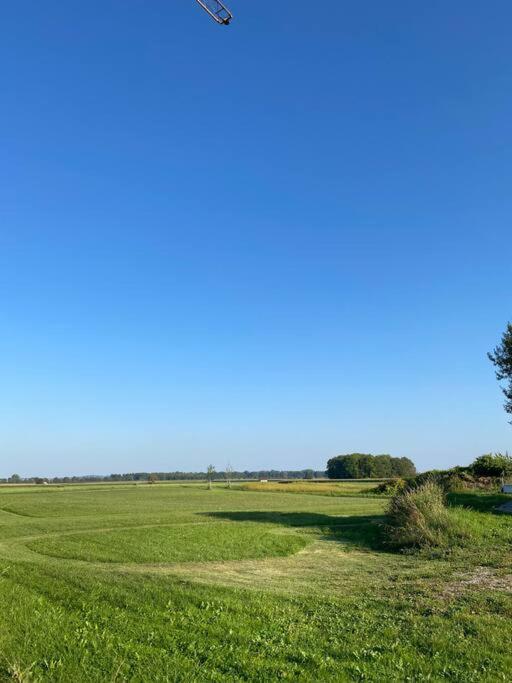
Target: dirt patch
(481,578)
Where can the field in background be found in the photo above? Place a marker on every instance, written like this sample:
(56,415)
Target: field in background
(116,582)
(323,488)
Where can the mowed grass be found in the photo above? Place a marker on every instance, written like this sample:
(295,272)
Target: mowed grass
(177,543)
(178,583)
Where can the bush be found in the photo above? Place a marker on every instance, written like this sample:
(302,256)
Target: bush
(390,487)
(456,479)
(492,465)
(419,518)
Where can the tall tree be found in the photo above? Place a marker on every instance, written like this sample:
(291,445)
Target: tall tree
(502,360)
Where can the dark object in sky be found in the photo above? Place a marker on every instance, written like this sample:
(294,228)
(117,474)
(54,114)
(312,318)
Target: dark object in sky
(217,11)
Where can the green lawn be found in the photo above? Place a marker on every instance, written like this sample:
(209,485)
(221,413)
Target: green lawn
(172,543)
(175,582)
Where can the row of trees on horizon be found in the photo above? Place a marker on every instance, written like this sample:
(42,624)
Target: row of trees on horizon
(169,476)
(351,466)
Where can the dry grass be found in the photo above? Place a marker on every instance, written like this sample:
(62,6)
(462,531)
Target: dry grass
(419,518)
(481,578)
(347,488)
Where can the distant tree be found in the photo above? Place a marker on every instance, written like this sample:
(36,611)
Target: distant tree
(382,466)
(350,466)
(210,472)
(14,479)
(228,474)
(402,467)
(492,465)
(502,360)
(309,474)
(366,466)
(152,479)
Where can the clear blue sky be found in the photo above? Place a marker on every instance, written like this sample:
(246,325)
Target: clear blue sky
(265,244)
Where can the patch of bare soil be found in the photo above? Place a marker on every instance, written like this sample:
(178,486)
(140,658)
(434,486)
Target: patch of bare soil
(481,578)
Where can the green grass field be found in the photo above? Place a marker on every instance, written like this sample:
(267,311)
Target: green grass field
(174,582)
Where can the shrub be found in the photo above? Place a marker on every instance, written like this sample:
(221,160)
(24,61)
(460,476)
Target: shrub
(419,518)
(456,479)
(492,465)
(390,487)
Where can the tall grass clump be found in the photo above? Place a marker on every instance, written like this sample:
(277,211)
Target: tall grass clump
(418,518)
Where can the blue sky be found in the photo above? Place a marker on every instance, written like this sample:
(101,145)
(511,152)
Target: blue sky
(264,244)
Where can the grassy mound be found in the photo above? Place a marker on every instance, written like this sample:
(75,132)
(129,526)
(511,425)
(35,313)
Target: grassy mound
(419,518)
(177,543)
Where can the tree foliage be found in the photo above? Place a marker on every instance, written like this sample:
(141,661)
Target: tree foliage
(502,360)
(492,465)
(366,466)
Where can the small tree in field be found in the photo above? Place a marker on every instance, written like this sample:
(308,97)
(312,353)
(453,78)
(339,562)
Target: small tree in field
(229,474)
(502,361)
(210,471)
(152,479)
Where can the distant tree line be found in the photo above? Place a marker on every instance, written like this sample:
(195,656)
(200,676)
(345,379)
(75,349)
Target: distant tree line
(366,466)
(169,476)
